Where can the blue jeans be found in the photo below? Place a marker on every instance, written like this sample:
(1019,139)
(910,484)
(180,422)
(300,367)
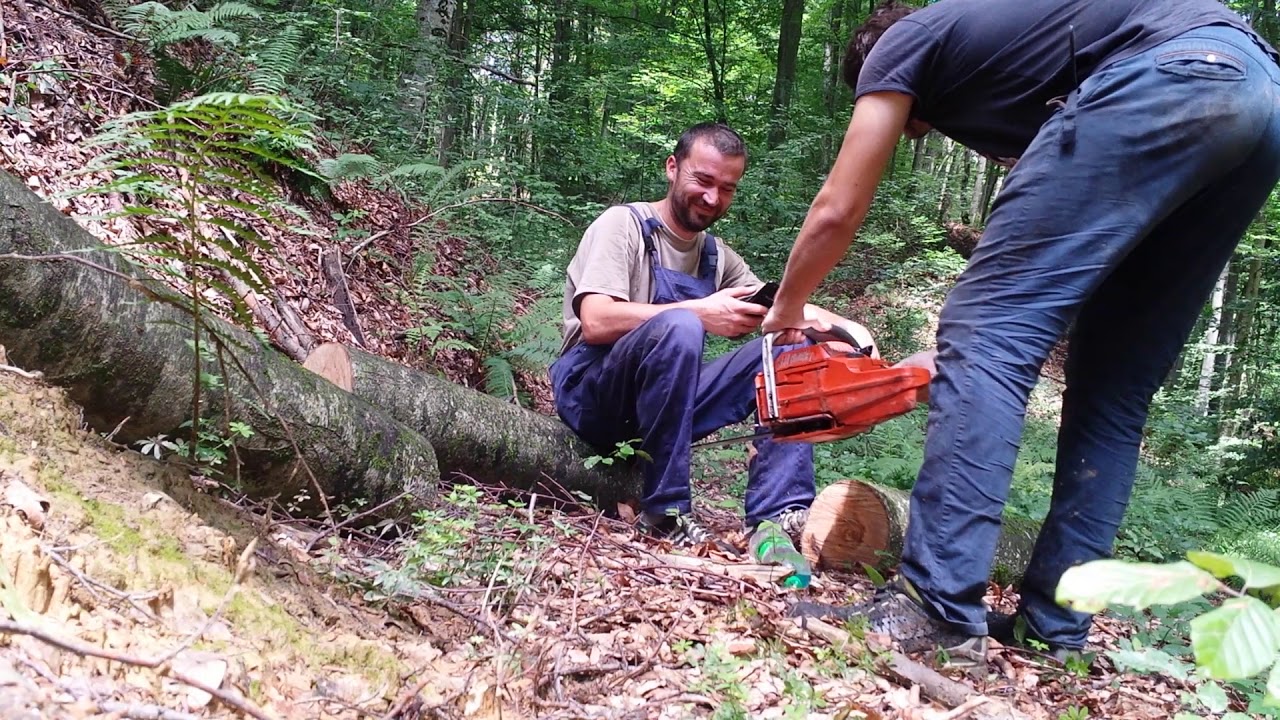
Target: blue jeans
(1115,224)
(652,384)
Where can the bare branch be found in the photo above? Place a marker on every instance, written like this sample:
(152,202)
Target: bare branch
(230,698)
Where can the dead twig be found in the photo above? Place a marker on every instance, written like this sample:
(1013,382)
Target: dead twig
(135,283)
(92,586)
(335,528)
(141,712)
(244,566)
(230,698)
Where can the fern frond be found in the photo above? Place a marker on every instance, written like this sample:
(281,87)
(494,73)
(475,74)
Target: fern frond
(499,377)
(224,11)
(275,61)
(422,169)
(349,166)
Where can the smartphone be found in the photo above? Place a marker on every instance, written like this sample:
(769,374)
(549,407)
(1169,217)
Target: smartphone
(763,296)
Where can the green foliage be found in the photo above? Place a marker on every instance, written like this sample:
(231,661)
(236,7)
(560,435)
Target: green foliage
(162,26)
(1237,640)
(465,542)
(623,452)
(193,170)
(452,316)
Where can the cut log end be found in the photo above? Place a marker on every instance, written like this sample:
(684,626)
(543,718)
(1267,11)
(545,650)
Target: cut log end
(848,525)
(853,524)
(332,362)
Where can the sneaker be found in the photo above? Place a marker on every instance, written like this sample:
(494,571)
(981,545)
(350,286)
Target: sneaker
(682,531)
(896,610)
(792,522)
(1011,630)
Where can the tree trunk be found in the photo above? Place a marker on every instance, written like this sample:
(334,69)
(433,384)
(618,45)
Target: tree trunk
(1227,338)
(784,81)
(454,115)
(852,522)
(476,436)
(1205,385)
(715,59)
(125,359)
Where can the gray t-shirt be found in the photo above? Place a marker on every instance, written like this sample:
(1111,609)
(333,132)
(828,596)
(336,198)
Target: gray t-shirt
(611,260)
(982,72)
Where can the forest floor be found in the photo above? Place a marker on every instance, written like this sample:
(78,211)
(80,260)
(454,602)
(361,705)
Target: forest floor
(125,583)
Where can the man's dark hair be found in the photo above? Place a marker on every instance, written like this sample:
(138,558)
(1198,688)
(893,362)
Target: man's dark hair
(720,136)
(865,37)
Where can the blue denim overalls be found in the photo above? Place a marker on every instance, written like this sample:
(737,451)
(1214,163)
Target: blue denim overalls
(652,384)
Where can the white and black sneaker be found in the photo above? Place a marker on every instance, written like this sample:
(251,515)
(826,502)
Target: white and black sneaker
(682,531)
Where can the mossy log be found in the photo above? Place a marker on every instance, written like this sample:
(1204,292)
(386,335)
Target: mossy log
(121,351)
(853,522)
(477,436)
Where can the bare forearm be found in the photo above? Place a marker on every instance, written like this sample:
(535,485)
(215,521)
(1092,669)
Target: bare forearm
(608,322)
(822,242)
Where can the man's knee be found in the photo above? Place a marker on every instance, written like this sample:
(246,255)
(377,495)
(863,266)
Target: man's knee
(674,331)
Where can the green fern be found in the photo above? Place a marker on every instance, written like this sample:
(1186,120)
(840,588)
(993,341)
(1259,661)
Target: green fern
(273,63)
(161,26)
(192,169)
(349,166)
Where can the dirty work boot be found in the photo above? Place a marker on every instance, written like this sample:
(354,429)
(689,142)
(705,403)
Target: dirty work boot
(896,610)
(1011,630)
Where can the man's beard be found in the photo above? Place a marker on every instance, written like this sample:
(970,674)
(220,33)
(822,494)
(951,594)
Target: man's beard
(683,212)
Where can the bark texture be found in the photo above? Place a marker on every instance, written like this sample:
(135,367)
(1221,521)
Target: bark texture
(125,358)
(476,435)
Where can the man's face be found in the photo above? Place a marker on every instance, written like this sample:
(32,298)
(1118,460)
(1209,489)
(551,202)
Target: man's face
(702,185)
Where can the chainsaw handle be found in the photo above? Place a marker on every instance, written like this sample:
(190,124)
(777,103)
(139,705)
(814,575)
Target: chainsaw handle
(839,333)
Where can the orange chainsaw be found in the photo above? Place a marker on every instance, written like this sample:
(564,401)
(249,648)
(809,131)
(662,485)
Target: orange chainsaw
(818,393)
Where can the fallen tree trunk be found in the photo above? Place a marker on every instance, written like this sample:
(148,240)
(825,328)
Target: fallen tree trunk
(121,351)
(475,435)
(852,522)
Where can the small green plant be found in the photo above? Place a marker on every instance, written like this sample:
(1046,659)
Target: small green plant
(720,678)
(1075,712)
(465,542)
(194,169)
(623,450)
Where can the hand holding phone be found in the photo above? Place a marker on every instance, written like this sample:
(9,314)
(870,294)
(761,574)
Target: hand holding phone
(763,296)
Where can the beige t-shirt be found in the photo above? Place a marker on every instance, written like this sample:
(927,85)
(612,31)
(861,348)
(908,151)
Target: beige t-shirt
(611,260)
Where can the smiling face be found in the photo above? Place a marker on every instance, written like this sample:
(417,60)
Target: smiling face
(702,185)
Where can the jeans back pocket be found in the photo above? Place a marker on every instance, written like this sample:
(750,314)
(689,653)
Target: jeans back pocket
(1205,64)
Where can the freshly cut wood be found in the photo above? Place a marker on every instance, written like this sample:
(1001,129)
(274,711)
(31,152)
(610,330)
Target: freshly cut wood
(123,355)
(478,436)
(853,522)
(331,362)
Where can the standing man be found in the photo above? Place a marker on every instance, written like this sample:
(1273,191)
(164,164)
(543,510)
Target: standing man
(1146,138)
(645,288)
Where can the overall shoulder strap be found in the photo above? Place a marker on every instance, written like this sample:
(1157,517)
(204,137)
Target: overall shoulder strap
(710,260)
(648,226)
